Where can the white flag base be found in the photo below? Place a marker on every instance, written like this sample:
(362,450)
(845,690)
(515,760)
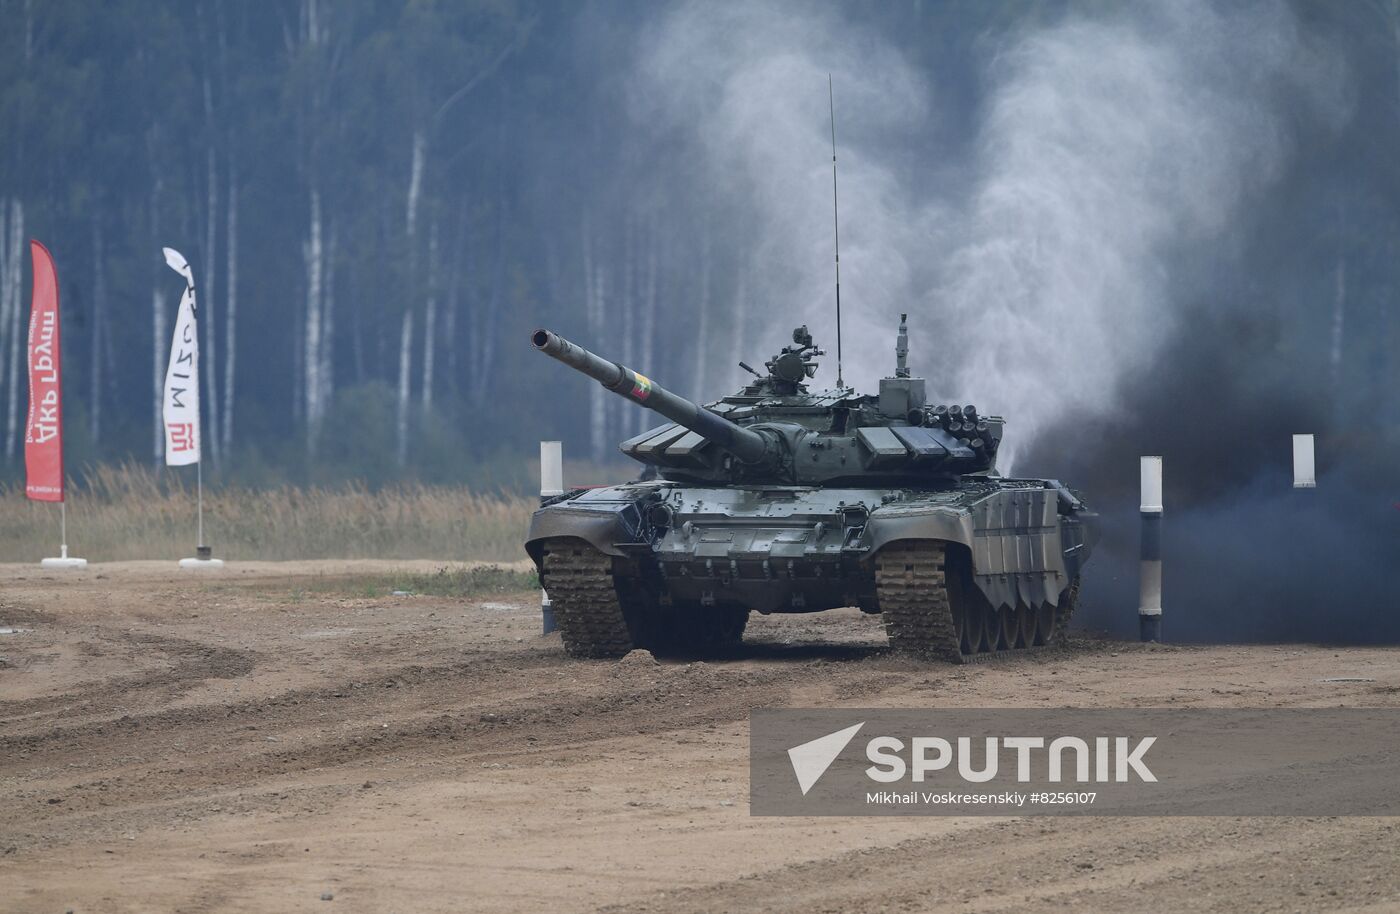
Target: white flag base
(202,564)
(64,562)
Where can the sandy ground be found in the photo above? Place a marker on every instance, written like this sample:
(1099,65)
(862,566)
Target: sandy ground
(255,741)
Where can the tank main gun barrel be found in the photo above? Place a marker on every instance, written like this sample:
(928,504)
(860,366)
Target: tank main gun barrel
(746,444)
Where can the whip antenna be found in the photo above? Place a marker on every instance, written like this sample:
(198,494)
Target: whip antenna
(836,218)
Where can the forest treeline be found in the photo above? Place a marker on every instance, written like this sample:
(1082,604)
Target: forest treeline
(381,199)
(355,186)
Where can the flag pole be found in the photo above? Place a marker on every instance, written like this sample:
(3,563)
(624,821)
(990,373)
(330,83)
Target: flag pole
(63,528)
(199,502)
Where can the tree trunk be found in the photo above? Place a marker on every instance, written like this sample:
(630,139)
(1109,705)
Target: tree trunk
(415,183)
(209,353)
(405,369)
(739,341)
(490,320)
(430,319)
(159,343)
(16,288)
(648,322)
(454,287)
(627,413)
(7,263)
(99,330)
(702,318)
(357,346)
(230,308)
(598,402)
(326,370)
(161,347)
(593,312)
(311,356)
(1339,308)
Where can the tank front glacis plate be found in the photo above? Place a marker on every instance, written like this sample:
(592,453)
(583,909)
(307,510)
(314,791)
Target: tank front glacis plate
(772,548)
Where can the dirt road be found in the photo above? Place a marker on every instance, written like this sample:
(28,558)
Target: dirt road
(273,736)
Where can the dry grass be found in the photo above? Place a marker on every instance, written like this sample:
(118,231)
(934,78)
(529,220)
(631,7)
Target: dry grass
(132,512)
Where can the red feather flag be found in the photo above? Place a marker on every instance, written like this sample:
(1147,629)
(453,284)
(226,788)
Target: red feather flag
(43,433)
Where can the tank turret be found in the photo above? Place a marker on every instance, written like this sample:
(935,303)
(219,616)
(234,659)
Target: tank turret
(776,430)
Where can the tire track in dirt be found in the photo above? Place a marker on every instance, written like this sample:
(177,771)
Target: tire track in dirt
(159,768)
(192,663)
(1094,864)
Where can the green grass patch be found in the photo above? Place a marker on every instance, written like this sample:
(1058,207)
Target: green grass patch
(478,581)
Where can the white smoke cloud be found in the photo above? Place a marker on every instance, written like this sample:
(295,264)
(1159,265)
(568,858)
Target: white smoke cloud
(748,82)
(1109,147)
(1106,148)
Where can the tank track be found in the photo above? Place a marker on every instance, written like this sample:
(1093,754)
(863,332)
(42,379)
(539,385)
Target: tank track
(917,603)
(912,589)
(579,580)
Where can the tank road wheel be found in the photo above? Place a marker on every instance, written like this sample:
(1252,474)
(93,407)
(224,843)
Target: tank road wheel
(1025,626)
(979,632)
(920,613)
(1065,610)
(1044,624)
(1007,628)
(580,583)
(962,626)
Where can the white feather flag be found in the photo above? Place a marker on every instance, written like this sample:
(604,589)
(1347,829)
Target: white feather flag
(180,401)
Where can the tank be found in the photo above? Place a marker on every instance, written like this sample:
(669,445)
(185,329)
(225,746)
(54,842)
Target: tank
(784,499)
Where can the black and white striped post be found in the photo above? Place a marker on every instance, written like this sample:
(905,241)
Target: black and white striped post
(1150,581)
(551,485)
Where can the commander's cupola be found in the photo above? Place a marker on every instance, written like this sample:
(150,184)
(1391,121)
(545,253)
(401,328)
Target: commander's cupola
(788,369)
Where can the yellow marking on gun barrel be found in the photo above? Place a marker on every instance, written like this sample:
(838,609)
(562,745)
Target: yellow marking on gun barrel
(642,388)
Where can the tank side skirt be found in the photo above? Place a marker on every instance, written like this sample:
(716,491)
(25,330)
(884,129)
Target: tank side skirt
(1012,559)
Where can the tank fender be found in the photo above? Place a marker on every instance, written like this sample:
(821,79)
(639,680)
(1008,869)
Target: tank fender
(888,525)
(1014,540)
(602,530)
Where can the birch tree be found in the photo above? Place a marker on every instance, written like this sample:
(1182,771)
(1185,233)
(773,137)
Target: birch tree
(702,319)
(430,320)
(405,372)
(648,321)
(14,286)
(312,358)
(97,336)
(230,307)
(209,353)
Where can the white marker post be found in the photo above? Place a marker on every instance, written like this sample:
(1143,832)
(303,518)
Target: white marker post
(1150,573)
(551,486)
(1304,466)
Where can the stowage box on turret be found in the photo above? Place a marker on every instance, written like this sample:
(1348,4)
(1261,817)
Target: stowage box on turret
(784,500)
